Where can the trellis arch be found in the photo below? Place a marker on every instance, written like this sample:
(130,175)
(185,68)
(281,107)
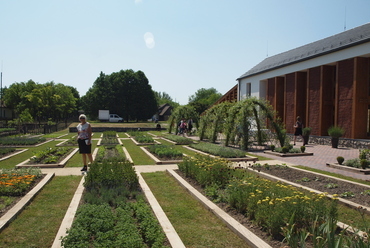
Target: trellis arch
(234,120)
(182,112)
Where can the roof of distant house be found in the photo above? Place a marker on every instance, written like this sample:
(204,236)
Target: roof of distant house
(327,45)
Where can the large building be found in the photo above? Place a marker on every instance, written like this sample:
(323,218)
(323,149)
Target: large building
(326,83)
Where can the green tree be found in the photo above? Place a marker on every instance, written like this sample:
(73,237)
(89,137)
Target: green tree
(41,101)
(203,99)
(126,93)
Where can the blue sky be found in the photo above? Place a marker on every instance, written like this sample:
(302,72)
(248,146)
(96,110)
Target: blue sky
(180,45)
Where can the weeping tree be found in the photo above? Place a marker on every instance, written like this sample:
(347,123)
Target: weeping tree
(182,112)
(236,120)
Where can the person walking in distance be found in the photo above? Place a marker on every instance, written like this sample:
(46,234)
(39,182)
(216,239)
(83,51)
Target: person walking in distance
(84,141)
(298,129)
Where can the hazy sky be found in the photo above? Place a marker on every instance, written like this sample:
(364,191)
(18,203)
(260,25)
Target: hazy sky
(180,45)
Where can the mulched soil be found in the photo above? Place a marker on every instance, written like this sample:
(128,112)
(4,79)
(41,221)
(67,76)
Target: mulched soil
(317,182)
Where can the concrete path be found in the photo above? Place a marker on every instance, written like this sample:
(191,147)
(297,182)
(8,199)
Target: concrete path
(322,154)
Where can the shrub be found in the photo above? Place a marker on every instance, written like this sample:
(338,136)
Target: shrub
(363,163)
(355,162)
(340,160)
(306,131)
(336,132)
(284,149)
(303,149)
(272,147)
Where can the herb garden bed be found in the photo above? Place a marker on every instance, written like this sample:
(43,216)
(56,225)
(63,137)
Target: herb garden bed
(347,168)
(162,159)
(236,159)
(289,154)
(45,160)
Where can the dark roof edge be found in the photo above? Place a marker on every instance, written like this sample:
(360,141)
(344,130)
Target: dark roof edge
(306,58)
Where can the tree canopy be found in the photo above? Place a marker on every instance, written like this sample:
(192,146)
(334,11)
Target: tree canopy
(203,99)
(126,93)
(42,101)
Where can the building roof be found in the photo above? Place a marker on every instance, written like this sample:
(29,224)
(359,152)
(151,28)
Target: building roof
(327,45)
(164,108)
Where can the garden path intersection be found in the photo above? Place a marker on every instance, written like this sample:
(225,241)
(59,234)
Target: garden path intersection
(322,155)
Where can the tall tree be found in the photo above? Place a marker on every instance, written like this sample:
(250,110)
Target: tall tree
(203,99)
(41,101)
(126,93)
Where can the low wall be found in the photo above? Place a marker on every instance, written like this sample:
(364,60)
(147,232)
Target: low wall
(343,142)
(118,129)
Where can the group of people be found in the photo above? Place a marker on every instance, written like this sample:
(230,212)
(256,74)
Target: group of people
(185,126)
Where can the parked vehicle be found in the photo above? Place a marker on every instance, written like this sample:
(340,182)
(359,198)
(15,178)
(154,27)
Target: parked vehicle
(115,118)
(104,115)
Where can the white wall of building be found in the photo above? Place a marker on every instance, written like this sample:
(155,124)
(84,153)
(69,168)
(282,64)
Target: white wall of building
(258,81)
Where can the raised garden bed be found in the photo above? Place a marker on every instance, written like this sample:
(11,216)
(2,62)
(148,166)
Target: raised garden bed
(289,154)
(60,158)
(348,168)
(160,160)
(238,159)
(9,213)
(110,153)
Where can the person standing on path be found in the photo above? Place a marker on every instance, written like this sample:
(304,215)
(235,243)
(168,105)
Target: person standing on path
(84,141)
(298,129)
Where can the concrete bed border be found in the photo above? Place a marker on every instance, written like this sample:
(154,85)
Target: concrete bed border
(12,213)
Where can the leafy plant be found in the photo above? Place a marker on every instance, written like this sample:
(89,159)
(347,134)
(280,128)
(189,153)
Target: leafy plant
(306,131)
(272,147)
(331,186)
(364,163)
(336,131)
(303,149)
(347,194)
(49,155)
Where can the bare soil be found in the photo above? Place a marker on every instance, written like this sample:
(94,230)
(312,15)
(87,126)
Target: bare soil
(317,182)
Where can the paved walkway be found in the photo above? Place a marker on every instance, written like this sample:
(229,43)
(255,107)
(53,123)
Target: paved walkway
(322,154)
